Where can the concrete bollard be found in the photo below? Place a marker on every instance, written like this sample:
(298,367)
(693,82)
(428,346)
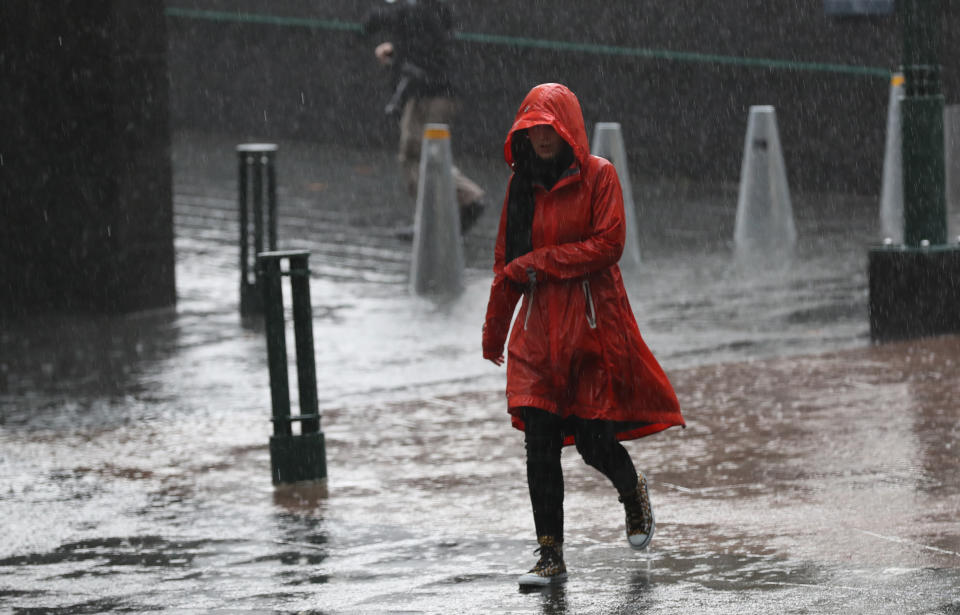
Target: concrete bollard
(437,264)
(764,221)
(608,143)
(257,187)
(293,457)
(891,192)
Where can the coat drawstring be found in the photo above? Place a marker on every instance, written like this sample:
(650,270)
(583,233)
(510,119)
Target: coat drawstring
(533,287)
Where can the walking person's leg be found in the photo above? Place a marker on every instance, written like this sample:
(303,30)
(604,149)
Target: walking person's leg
(412,123)
(597,444)
(417,113)
(543,434)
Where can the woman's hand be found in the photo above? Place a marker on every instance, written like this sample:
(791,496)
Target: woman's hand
(518,271)
(498,361)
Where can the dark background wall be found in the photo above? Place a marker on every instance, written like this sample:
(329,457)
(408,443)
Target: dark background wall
(85,177)
(298,68)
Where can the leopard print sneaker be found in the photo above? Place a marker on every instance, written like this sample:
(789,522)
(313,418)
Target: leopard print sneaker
(550,568)
(640,521)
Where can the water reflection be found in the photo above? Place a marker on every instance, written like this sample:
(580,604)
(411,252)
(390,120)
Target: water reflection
(934,427)
(92,355)
(309,497)
(553,598)
(639,596)
(302,546)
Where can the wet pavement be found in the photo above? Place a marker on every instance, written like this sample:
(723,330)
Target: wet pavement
(818,473)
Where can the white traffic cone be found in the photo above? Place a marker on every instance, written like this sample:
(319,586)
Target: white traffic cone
(608,143)
(891,192)
(764,223)
(437,264)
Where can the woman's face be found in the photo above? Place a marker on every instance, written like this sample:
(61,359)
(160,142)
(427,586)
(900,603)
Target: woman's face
(545,140)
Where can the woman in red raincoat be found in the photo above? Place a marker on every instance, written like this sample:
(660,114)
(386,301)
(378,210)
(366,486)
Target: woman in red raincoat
(578,370)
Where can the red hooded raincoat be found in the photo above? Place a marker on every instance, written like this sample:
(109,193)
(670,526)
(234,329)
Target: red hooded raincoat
(575,348)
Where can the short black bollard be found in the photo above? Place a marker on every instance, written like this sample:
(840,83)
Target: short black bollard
(293,457)
(257,184)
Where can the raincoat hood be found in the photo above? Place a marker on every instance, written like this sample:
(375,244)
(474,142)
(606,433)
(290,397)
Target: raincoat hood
(556,105)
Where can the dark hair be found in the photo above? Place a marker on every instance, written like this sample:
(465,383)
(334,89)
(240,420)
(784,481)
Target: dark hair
(528,169)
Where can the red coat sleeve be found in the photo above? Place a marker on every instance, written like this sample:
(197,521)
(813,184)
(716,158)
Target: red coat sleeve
(598,251)
(504,296)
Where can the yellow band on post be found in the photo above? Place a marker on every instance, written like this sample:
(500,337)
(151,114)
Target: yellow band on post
(897,80)
(436,133)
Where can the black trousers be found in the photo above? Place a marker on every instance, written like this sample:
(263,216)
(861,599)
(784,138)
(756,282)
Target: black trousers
(596,442)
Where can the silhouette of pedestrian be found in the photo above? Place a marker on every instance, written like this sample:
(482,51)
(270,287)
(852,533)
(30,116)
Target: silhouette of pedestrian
(416,37)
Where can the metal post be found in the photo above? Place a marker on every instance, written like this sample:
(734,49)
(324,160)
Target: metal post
(269,161)
(257,162)
(245,282)
(276,344)
(293,457)
(924,194)
(258,204)
(303,332)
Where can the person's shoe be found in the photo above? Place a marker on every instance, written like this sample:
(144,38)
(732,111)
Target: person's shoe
(550,568)
(640,521)
(469,215)
(404,233)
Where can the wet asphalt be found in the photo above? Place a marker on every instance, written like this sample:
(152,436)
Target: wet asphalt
(818,472)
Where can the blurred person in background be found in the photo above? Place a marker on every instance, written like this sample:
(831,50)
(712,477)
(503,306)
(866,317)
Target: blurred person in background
(415,44)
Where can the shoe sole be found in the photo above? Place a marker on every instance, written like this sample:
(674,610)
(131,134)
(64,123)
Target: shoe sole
(646,543)
(532,580)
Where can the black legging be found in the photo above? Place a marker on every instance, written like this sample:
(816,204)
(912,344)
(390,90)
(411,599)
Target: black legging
(597,444)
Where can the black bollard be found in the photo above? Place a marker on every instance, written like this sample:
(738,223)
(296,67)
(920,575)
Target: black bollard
(257,184)
(300,456)
(913,289)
